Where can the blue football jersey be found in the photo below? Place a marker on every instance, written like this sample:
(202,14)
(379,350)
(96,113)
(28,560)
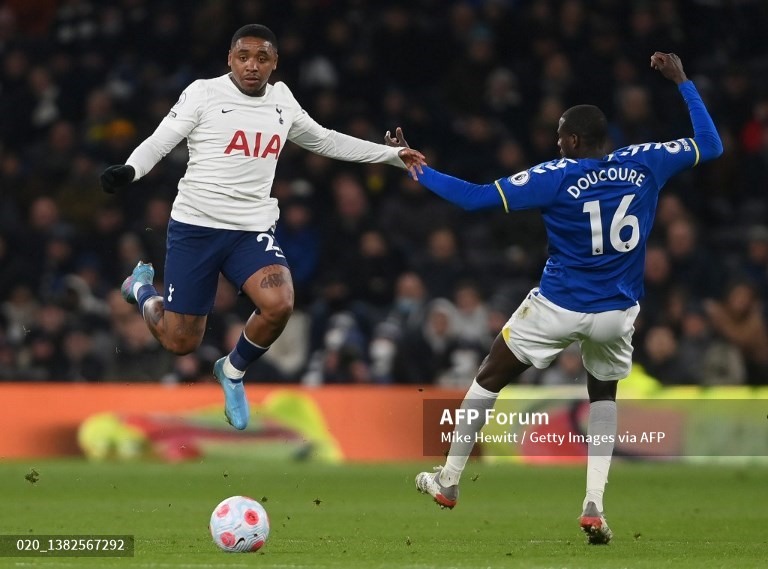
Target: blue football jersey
(598,215)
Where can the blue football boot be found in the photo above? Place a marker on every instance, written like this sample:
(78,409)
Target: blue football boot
(236,407)
(144,273)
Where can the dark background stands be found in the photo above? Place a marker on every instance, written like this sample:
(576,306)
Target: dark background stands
(478,85)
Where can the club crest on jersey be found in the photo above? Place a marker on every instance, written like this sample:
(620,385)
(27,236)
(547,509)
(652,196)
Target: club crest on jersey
(239,143)
(520,179)
(672,147)
(279,114)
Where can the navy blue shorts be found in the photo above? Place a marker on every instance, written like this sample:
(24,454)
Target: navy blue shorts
(196,255)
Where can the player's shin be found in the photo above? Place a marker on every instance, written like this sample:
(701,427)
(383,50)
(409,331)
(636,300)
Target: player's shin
(477,399)
(602,434)
(244,354)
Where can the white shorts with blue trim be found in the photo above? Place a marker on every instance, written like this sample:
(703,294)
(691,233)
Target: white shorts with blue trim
(539,330)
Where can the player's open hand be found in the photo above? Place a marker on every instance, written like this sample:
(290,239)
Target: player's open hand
(413,159)
(397,140)
(669,65)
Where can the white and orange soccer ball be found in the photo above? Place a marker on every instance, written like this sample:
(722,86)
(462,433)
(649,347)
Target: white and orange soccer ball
(239,524)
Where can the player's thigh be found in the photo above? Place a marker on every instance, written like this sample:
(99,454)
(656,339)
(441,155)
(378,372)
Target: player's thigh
(607,351)
(192,264)
(258,268)
(539,330)
(271,290)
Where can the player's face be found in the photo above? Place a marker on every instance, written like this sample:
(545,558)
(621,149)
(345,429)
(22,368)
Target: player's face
(252,61)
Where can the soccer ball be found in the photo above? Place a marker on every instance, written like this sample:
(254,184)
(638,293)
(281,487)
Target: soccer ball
(239,524)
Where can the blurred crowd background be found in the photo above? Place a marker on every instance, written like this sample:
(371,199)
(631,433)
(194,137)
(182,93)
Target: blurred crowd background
(393,284)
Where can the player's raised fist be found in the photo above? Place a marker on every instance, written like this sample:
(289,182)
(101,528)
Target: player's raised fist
(669,65)
(116,177)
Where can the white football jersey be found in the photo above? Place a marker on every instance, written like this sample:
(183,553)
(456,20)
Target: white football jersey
(234,142)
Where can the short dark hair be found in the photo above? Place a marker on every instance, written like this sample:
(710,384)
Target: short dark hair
(587,122)
(254,31)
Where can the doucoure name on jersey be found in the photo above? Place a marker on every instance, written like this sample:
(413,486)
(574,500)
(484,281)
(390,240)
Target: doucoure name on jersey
(589,179)
(611,174)
(239,143)
(624,174)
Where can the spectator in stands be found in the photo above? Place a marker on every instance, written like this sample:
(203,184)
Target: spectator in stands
(471,318)
(657,286)
(706,358)
(83,358)
(694,267)
(567,369)
(409,307)
(301,240)
(441,265)
(373,272)
(661,358)
(424,355)
(755,264)
(409,213)
(740,319)
(343,358)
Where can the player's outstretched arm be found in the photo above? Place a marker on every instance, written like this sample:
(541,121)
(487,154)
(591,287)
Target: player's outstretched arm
(464,194)
(313,137)
(705,134)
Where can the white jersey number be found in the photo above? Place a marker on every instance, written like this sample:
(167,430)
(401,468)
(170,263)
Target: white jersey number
(620,221)
(270,244)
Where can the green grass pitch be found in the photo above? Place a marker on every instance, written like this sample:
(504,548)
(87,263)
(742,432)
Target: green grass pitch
(370,516)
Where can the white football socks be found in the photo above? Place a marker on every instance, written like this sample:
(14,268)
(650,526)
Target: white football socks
(602,424)
(477,398)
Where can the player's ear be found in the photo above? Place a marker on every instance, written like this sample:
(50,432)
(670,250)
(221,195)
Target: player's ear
(575,140)
(275,64)
(229,58)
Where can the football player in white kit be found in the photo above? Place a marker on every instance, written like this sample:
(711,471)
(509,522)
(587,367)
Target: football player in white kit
(223,216)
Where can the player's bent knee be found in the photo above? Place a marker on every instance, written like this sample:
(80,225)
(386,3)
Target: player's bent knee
(278,312)
(183,345)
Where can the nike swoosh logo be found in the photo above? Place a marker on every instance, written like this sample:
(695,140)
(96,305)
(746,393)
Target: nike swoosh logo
(227,110)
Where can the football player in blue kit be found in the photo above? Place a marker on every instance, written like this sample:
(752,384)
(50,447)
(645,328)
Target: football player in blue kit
(598,211)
